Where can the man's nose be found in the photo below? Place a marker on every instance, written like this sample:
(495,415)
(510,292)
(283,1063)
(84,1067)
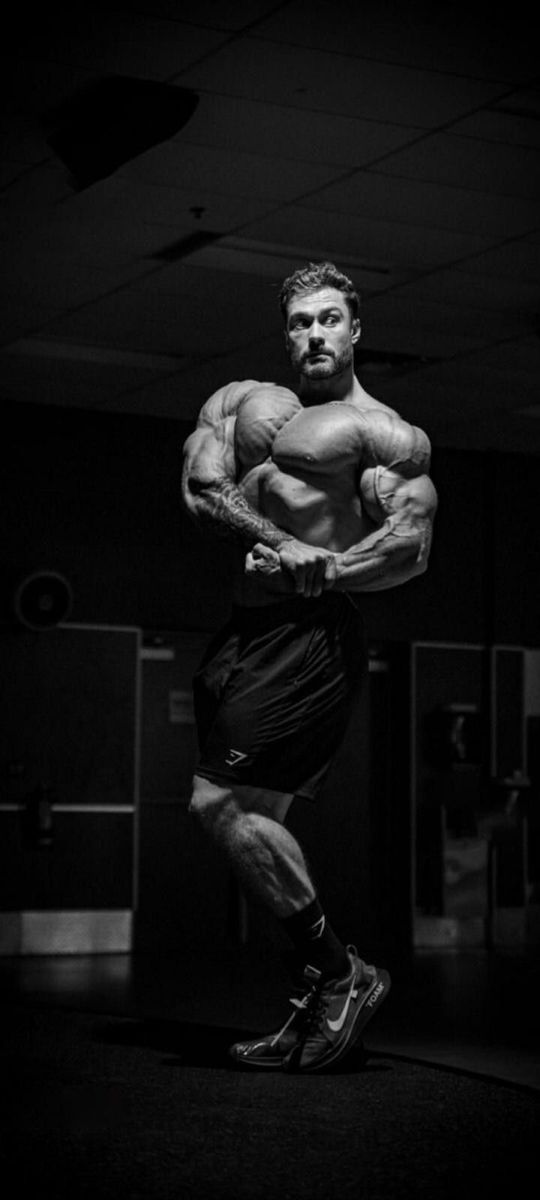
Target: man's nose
(316,336)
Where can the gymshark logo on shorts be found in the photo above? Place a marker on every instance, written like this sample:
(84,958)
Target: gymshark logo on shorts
(235,756)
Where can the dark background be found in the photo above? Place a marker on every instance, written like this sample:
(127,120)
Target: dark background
(162,170)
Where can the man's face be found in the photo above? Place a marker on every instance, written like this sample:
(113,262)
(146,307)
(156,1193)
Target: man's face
(320,333)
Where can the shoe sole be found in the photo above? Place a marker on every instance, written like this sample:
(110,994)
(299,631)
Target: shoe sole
(264,1062)
(371,1002)
(280,1064)
(257,1064)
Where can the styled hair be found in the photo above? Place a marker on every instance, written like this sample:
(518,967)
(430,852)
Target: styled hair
(314,277)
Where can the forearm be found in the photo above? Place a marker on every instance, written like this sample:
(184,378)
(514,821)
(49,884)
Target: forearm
(224,508)
(376,574)
(288,564)
(390,556)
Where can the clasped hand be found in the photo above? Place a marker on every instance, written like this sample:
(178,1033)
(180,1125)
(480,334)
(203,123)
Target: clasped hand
(311,569)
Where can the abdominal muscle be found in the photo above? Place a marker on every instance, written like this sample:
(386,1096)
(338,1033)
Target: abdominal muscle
(318,509)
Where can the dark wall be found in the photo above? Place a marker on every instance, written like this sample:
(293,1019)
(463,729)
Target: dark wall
(96,497)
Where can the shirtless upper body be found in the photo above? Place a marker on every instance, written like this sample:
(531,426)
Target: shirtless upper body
(327,489)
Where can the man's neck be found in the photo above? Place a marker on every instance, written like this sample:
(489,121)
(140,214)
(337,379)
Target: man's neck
(336,387)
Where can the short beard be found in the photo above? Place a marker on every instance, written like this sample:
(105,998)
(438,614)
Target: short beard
(335,365)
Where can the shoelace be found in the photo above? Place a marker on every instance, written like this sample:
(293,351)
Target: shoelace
(315,1017)
(302,1005)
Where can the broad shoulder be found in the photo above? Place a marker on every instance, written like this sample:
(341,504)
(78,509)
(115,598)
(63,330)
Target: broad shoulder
(264,410)
(226,401)
(269,401)
(263,398)
(388,438)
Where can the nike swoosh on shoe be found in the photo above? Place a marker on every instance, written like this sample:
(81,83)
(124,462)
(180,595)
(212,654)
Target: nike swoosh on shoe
(338,1024)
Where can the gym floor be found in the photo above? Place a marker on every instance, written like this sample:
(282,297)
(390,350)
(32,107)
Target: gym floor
(473,1010)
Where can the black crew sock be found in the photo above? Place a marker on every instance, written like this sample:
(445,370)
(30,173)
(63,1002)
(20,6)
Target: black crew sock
(315,941)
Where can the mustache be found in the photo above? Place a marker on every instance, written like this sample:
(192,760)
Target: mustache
(314,353)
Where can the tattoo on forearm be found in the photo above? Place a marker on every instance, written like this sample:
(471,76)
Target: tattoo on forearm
(227,511)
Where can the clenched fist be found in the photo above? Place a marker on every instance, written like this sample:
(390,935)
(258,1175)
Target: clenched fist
(310,569)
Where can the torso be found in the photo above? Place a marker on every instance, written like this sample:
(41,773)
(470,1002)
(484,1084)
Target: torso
(308,481)
(304,473)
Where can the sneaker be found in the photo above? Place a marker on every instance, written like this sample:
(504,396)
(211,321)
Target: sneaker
(270,1051)
(337,1014)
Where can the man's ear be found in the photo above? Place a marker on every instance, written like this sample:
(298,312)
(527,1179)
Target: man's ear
(356,329)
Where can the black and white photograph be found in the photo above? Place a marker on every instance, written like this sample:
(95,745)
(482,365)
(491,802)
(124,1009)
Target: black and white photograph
(270,601)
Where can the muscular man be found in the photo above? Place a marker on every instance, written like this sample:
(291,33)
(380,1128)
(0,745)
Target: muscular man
(326,495)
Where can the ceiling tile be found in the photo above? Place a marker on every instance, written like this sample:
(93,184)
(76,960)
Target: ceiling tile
(263,358)
(183,394)
(236,123)
(220,14)
(96,356)
(492,125)
(486,292)
(256,297)
(228,172)
(34,190)
(431,204)
(394,248)
(50,280)
(337,83)
(406,308)
(112,41)
(261,260)
(515,259)
(468,163)
(171,397)
(179,311)
(522,101)
(37,84)
(126,221)
(418,34)
(194,208)
(20,314)
(410,334)
(399,140)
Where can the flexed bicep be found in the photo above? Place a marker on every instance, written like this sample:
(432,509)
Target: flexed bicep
(398,496)
(211,470)
(208,462)
(210,490)
(208,453)
(401,505)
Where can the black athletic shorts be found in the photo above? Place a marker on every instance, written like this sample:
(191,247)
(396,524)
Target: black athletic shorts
(274,691)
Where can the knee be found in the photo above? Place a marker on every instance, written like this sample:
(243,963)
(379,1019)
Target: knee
(210,803)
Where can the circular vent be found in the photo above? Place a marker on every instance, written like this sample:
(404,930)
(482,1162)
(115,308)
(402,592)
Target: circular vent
(42,600)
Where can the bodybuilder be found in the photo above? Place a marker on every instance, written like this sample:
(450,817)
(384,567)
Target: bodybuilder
(325,493)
